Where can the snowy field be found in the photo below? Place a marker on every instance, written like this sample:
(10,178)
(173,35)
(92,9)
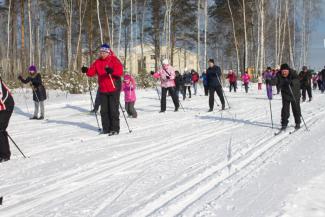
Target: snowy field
(192,163)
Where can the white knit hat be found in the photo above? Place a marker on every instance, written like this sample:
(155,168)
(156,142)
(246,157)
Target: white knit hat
(165,62)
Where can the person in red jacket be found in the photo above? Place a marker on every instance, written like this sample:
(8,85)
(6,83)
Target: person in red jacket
(232,80)
(195,80)
(109,71)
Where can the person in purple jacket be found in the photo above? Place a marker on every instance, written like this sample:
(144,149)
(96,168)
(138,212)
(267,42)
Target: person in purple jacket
(268,76)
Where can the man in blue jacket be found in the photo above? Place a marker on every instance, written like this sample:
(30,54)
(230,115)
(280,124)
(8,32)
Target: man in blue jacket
(205,83)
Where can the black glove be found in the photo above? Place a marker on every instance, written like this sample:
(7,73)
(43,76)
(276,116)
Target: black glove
(268,81)
(84,69)
(109,70)
(152,72)
(168,77)
(287,82)
(20,78)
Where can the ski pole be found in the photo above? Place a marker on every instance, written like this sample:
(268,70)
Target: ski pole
(22,89)
(216,102)
(36,95)
(125,118)
(223,91)
(271,113)
(158,92)
(296,104)
(92,102)
(181,105)
(6,134)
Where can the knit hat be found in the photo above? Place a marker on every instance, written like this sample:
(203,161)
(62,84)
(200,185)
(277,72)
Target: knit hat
(127,77)
(269,68)
(304,68)
(104,48)
(285,66)
(32,68)
(165,62)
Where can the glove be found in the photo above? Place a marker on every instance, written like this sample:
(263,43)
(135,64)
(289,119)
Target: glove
(109,70)
(168,77)
(20,77)
(152,72)
(268,81)
(287,82)
(84,69)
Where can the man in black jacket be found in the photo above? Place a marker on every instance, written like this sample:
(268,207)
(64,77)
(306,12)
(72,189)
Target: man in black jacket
(178,83)
(322,74)
(305,77)
(214,84)
(289,83)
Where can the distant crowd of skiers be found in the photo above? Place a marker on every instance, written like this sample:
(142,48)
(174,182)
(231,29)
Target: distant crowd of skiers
(112,80)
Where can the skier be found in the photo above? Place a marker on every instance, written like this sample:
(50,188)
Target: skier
(187,78)
(259,82)
(232,80)
(205,83)
(166,74)
(315,81)
(320,81)
(39,92)
(323,79)
(290,91)
(128,87)
(246,79)
(195,80)
(6,109)
(178,83)
(109,70)
(278,75)
(268,76)
(305,77)
(214,84)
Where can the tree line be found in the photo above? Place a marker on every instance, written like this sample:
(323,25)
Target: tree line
(57,35)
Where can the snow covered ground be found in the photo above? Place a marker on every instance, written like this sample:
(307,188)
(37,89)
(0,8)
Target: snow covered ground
(190,163)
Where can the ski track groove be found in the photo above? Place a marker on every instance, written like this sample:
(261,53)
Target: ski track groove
(175,208)
(141,156)
(73,178)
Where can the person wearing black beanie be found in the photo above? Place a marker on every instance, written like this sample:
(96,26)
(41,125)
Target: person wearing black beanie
(305,77)
(290,91)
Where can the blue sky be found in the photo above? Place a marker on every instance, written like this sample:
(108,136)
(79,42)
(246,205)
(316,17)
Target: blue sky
(317,49)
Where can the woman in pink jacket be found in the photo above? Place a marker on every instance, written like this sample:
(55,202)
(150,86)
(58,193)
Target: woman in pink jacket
(167,77)
(246,78)
(128,87)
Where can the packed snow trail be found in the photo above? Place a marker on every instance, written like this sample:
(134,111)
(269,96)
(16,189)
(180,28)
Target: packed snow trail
(172,164)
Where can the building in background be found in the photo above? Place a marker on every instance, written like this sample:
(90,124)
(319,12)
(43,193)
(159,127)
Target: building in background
(182,59)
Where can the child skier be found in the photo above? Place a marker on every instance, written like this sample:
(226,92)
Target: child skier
(128,87)
(246,78)
(268,76)
(39,92)
(187,79)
